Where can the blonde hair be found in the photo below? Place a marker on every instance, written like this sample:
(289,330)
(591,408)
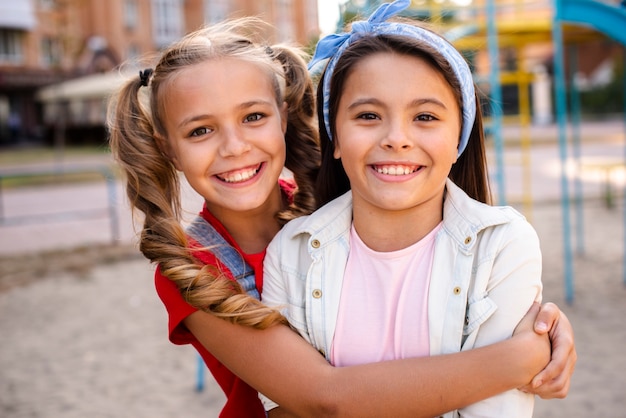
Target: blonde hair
(152,185)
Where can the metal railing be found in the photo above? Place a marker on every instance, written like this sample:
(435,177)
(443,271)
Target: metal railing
(71,214)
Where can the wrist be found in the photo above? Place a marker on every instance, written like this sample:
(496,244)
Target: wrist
(532,354)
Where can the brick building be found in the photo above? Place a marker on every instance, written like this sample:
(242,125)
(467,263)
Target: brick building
(48,42)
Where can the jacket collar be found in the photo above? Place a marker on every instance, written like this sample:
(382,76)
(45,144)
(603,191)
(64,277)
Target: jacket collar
(329,222)
(463,217)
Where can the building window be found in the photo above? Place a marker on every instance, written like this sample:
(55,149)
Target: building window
(130,14)
(11,46)
(50,55)
(168,21)
(215,11)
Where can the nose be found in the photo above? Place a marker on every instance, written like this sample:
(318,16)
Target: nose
(397,137)
(234,143)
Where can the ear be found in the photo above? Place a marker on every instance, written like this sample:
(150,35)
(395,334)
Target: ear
(456,150)
(284,114)
(336,150)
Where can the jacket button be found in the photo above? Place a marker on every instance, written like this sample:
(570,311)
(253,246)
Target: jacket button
(456,290)
(315,243)
(468,240)
(317,293)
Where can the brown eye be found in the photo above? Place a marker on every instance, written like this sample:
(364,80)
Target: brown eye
(425,117)
(200,131)
(254,117)
(367,116)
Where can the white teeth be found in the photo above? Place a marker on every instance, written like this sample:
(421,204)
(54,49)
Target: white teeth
(395,170)
(240,176)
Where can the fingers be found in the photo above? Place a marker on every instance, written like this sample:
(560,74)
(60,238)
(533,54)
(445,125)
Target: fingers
(547,317)
(554,381)
(548,387)
(554,389)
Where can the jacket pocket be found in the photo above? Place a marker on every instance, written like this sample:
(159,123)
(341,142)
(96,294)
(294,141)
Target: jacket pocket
(477,312)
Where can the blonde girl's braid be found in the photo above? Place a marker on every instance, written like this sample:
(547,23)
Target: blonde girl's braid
(138,141)
(301,138)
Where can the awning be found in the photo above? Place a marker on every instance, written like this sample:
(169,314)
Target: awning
(88,87)
(17,14)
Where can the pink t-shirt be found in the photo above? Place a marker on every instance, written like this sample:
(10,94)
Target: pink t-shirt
(383,310)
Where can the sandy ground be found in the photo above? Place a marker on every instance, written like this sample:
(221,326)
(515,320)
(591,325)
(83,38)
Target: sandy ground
(83,333)
(93,342)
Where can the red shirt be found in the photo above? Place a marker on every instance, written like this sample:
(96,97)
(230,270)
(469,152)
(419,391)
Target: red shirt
(242,400)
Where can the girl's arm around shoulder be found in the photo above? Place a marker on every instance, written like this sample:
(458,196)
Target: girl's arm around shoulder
(280,364)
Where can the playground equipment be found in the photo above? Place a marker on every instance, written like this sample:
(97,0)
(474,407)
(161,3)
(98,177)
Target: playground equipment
(610,20)
(526,25)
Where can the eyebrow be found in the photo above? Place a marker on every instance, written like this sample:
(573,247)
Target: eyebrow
(416,102)
(429,100)
(241,106)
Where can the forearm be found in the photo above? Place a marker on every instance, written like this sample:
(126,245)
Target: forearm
(280,364)
(429,386)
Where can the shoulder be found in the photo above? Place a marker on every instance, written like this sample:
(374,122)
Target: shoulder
(459,205)
(464,216)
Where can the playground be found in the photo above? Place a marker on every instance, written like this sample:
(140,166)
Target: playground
(515,27)
(87,331)
(567,176)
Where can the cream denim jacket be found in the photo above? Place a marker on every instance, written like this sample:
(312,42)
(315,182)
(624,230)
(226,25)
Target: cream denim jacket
(486,274)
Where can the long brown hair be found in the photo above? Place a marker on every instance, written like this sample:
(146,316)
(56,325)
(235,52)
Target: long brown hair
(136,126)
(470,170)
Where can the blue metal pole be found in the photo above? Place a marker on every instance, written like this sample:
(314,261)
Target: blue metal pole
(200,374)
(578,188)
(496,99)
(561,115)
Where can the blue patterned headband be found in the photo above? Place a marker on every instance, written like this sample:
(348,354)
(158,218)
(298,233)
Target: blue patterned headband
(332,46)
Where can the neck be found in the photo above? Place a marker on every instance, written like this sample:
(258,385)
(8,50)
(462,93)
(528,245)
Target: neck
(254,229)
(386,230)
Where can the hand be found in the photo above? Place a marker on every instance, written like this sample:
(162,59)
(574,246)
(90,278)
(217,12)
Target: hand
(554,380)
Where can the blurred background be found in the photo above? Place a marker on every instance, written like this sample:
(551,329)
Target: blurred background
(60,59)
(552,76)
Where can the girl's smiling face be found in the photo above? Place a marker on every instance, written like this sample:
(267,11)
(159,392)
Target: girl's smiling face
(225,132)
(397,132)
